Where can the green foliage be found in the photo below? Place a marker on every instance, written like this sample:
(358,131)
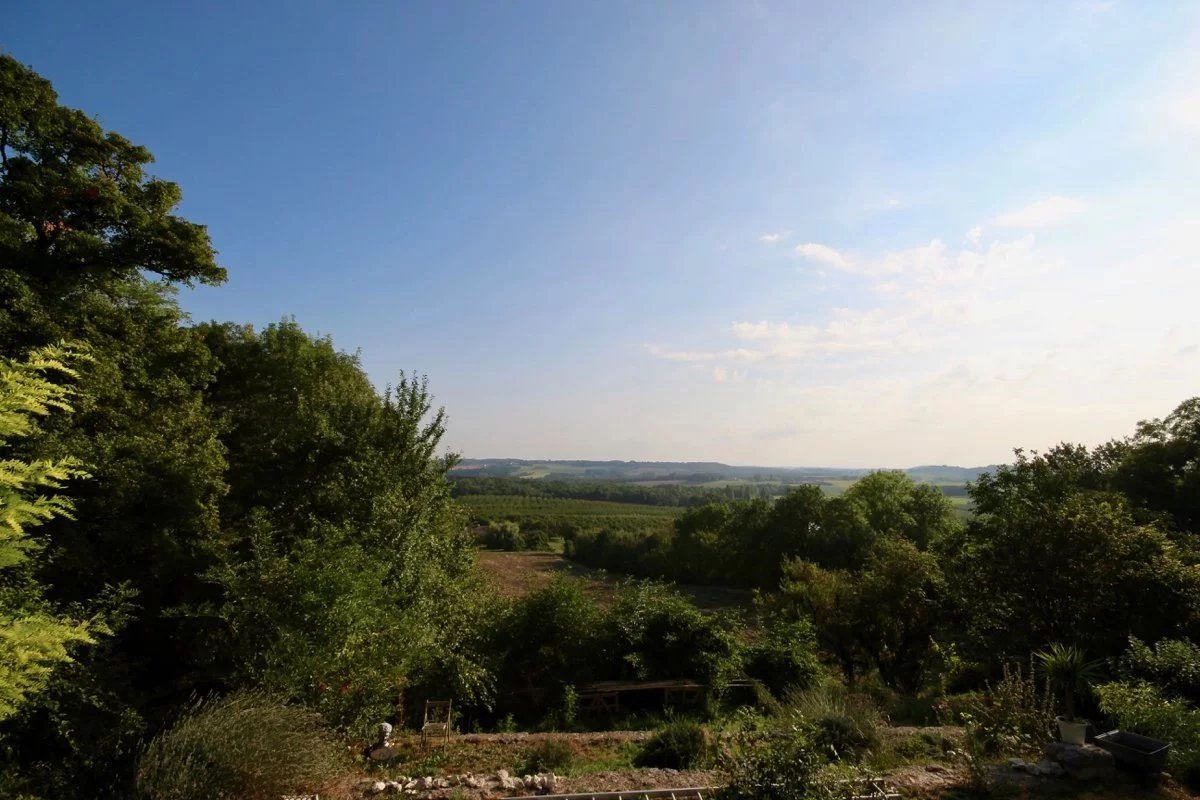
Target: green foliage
(646,553)
(679,744)
(893,504)
(657,633)
(247,746)
(748,543)
(781,765)
(77,206)
(1157,468)
(1173,665)
(504,536)
(552,635)
(522,508)
(840,724)
(33,639)
(1047,560)
(609,491)
(1067,669)
(1014,716)
(884,616)
(548,755)
(345,540)
(785,655)
(568,706)
(1143,708)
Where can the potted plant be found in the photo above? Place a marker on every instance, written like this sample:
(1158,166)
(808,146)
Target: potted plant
(1069,671)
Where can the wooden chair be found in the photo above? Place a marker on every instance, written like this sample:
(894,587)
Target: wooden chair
(437,720)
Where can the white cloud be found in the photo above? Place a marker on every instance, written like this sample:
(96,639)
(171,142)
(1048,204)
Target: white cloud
(680,355)
(975,235)
(823,254)
(720,374)
(1045,213)
(772,238)
(1181,110)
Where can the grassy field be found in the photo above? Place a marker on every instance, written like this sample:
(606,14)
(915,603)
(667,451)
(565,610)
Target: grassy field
(499,504)
(584,514)
(516,574)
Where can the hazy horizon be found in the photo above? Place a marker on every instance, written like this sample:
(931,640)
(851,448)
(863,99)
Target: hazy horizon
(748,232)
(727,464)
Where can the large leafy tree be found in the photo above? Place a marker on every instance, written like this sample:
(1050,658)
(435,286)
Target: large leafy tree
(895,504)
(1158,468)
(1052,558)
(342,539)
(90,246)
(78,209)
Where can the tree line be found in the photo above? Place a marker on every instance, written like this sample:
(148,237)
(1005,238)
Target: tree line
(1091,546)
(658,494)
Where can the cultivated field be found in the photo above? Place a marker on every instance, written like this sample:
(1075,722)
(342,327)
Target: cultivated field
(516,574)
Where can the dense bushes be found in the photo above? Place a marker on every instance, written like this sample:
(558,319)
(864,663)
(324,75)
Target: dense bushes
(557,635)
(1172,664)
(1143,708)
(781,765)
(680,744)
(747,543)
(841,725)
(1016,715)
(503,536)
(658,633)
(785,655)
(547,755)
(551,636)
(246,746)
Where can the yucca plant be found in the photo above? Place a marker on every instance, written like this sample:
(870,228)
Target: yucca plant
(1068,670)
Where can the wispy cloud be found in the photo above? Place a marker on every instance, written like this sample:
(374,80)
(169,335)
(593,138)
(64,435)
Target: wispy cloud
(1047,213)
(924,291)
(823,254)
(773,238)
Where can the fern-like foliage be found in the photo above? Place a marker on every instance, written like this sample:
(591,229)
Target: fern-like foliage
(32,639)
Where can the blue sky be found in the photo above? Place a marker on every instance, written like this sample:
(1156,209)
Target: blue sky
(775,233)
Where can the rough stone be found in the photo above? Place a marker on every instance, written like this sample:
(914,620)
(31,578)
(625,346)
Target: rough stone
(385,735)
(378,787)
(506,780)
(1047,769)
(1081,762)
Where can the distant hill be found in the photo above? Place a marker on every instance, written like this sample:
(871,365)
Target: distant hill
(692,471)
